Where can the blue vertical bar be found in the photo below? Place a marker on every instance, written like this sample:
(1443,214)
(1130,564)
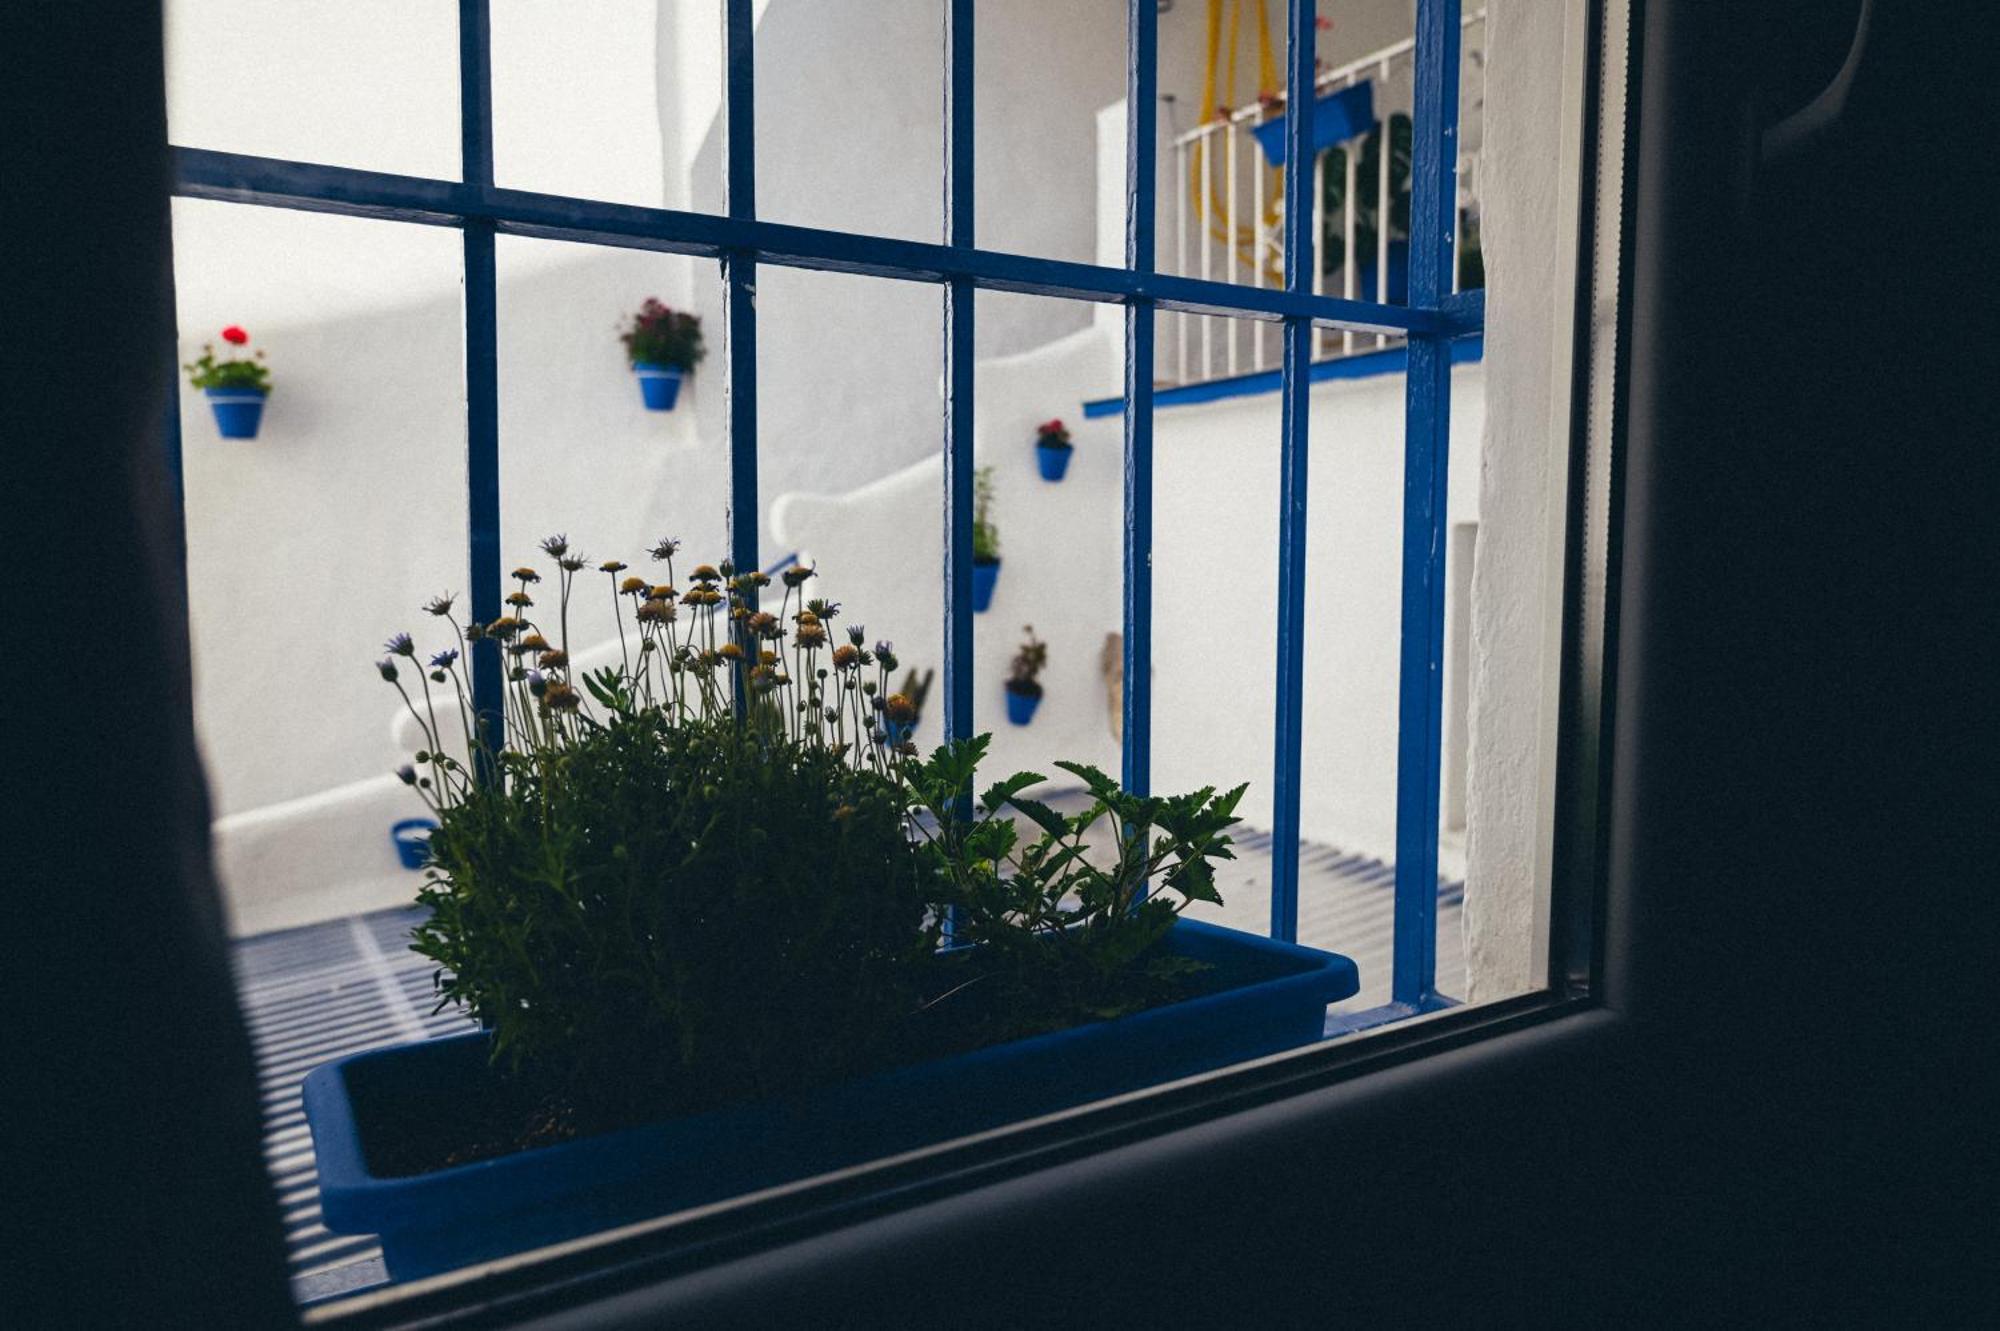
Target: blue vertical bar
(482,382)
(1300,36)
(958,357)
(1141,200)
(739,278)
(1426,453)
(959,296)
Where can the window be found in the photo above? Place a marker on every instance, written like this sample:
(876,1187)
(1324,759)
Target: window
(1293,330)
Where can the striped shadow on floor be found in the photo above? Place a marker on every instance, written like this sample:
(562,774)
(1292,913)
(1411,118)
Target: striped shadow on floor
(309,996)
(325,991)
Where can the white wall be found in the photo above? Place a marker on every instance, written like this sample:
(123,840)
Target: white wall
(881,547)
(312,543)
(850,134)
(1529,178)
(1215,597)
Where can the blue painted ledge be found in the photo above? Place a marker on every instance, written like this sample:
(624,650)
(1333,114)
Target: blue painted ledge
(1363,365)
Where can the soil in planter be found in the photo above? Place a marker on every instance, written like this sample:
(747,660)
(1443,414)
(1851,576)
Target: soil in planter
(494,1114)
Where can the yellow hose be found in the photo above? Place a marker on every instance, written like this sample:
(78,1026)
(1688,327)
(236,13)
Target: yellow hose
(1214,212)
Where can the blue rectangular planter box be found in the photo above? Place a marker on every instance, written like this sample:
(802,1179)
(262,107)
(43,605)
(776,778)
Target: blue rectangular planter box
(451,1217)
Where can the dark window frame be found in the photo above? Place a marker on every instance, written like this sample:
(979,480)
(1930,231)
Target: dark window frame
(740,241)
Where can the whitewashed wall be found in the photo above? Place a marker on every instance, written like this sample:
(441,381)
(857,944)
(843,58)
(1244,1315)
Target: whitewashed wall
(1529,176)
(1214,568)
(313,542)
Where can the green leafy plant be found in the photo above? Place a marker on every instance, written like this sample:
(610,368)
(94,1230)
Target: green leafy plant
(718,870)
(1368,211)
(232,372)
(1024,671)
(1061,929)
(660,335)
(985,535)
(677,872)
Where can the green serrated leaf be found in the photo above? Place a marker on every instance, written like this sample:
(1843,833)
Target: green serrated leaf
(1001,791)
(1094,780)
(1041,815)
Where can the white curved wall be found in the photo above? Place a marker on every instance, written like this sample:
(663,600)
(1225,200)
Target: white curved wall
(1215,597)
(881,546)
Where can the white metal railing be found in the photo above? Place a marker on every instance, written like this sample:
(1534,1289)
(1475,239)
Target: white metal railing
(1219,164)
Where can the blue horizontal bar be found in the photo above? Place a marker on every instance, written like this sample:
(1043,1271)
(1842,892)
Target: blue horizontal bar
(1390,360)
(1353,1023)
(1464,312)
(202,173)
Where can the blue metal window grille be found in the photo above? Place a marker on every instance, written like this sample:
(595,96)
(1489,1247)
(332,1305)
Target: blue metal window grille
(1431,321)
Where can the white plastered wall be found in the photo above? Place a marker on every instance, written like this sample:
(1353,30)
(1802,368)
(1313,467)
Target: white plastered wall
(1529,176)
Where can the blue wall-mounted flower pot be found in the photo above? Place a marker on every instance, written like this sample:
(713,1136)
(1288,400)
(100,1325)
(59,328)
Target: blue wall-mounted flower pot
(1021,706)
(1271,996)
(238,411)
(1337,117)
(984,575)
(660,385)
(1053,459)
(413,841)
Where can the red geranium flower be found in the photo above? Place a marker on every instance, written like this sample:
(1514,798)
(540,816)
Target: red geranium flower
(235,336)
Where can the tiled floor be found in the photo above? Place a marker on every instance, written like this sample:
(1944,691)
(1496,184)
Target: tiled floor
(310,996)
(319,993)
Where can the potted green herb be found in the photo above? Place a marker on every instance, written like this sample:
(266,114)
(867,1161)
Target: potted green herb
(1024,686)
(236,387)
(1369,215)
(1052,449)
(985,541)
(906,705)
(694,899)
(663,344)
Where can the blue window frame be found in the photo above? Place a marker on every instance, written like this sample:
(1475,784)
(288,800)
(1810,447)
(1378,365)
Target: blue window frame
(741,241)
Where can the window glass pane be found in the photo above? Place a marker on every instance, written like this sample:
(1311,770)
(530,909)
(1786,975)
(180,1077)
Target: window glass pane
(1219,213)
(1215,599)
(1354,628)
(850,128)
(1049,130)
(1048,648)
(614,103)
(366,83)
(850,450)
(308,545)
(366,364)
(1471,139)
(581,451)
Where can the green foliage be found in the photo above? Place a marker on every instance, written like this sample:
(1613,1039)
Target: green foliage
(208,372)
(1064,932)
(680,914)
(1367,195)
(985,536)
(715,871)
(660,335)
(1368,209)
